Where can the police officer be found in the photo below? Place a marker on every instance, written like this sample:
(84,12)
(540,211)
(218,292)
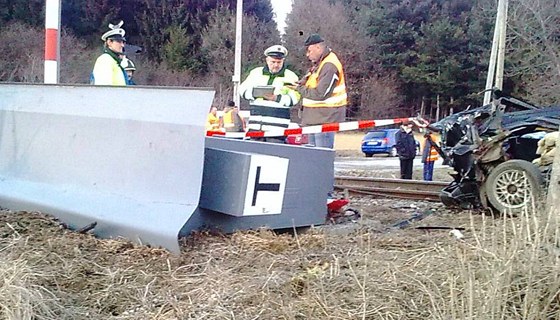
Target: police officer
(107,69)
(270,111)
(129,67)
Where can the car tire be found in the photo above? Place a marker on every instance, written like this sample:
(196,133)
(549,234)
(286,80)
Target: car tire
(514,186)
(393,152)
(368,155)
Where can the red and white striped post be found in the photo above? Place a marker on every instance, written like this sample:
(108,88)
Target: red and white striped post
(52,40)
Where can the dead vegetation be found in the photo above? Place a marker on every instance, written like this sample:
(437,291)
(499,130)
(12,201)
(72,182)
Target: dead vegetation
(502,269)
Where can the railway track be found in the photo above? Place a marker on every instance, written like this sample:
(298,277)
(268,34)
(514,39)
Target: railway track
(397,188)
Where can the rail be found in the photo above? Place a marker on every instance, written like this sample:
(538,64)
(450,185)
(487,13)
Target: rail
(396,188)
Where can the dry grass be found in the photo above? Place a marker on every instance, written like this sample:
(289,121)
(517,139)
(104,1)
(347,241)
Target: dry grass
(503,269)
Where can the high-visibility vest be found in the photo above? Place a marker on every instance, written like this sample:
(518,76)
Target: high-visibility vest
(107,71)
(433,155)
(212,122)
(338,98)
(269,115)
(232,121)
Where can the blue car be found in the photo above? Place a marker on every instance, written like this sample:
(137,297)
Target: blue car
(382,141)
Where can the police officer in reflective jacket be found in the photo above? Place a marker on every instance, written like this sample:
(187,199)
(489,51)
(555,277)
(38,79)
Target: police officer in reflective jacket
(108,69)
(271,110)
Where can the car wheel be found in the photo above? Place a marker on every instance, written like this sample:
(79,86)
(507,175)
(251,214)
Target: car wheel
(393,152)
(368,155)
(513,186)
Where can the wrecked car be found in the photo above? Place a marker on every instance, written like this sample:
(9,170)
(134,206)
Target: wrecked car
(491,149)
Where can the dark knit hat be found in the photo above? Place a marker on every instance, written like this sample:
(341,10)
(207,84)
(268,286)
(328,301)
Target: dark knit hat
(313,39)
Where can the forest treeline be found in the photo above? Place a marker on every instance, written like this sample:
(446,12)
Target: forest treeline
(400,56)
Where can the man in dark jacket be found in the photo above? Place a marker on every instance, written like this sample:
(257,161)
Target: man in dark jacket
(406,149)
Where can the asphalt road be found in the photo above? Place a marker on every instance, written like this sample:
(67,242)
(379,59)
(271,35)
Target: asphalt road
(381,162)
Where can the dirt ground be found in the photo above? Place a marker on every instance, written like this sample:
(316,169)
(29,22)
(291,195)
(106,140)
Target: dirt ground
(59,274)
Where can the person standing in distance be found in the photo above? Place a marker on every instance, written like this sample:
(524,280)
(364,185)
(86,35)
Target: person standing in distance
(406,149)
(130,68)
(107,69)
(323,90)
(212,120)
(429,156)
(271,111)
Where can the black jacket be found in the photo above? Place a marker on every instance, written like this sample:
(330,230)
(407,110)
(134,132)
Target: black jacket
(406,146)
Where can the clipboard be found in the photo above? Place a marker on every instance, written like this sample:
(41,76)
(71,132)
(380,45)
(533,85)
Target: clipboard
(261,91)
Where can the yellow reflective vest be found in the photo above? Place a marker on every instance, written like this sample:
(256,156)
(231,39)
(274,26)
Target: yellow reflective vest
(107,71)
(338,98)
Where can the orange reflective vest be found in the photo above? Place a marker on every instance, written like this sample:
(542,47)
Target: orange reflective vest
(433,155)
(338,98)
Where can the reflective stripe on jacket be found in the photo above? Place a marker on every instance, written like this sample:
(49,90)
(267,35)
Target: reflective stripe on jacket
(433,155)
(429,153)
(107,71)
(338,98)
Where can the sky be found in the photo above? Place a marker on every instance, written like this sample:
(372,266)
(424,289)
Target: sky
(281,8)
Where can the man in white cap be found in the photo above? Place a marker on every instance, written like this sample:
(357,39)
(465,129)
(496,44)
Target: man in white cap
(270,98)
(108,69)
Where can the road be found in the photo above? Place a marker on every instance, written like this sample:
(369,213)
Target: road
(374,163)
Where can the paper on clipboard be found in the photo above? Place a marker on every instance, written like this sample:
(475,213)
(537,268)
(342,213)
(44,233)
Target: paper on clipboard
(261,91)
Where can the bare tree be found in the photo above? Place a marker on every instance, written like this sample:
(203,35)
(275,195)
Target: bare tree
(534,47)
(330,20)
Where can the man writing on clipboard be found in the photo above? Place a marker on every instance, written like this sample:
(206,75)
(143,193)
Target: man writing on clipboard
(270,98)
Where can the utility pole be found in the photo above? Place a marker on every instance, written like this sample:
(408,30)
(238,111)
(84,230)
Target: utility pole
(237,67)
(496,65)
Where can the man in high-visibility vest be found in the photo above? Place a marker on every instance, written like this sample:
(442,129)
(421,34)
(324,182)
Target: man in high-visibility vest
(212,120)
(429,156)
(231,120)
(270,98)
(323,91)
(108,69)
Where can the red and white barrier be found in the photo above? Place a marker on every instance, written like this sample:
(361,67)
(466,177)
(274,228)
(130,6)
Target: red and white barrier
(328,127)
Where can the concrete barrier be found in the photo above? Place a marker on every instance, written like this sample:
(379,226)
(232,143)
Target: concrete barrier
(128,158)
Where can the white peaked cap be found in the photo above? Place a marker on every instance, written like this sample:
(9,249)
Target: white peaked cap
(116,32)
(276,51)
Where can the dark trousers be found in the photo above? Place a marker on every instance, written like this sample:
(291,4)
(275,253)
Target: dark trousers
(428,170)
(406,168)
